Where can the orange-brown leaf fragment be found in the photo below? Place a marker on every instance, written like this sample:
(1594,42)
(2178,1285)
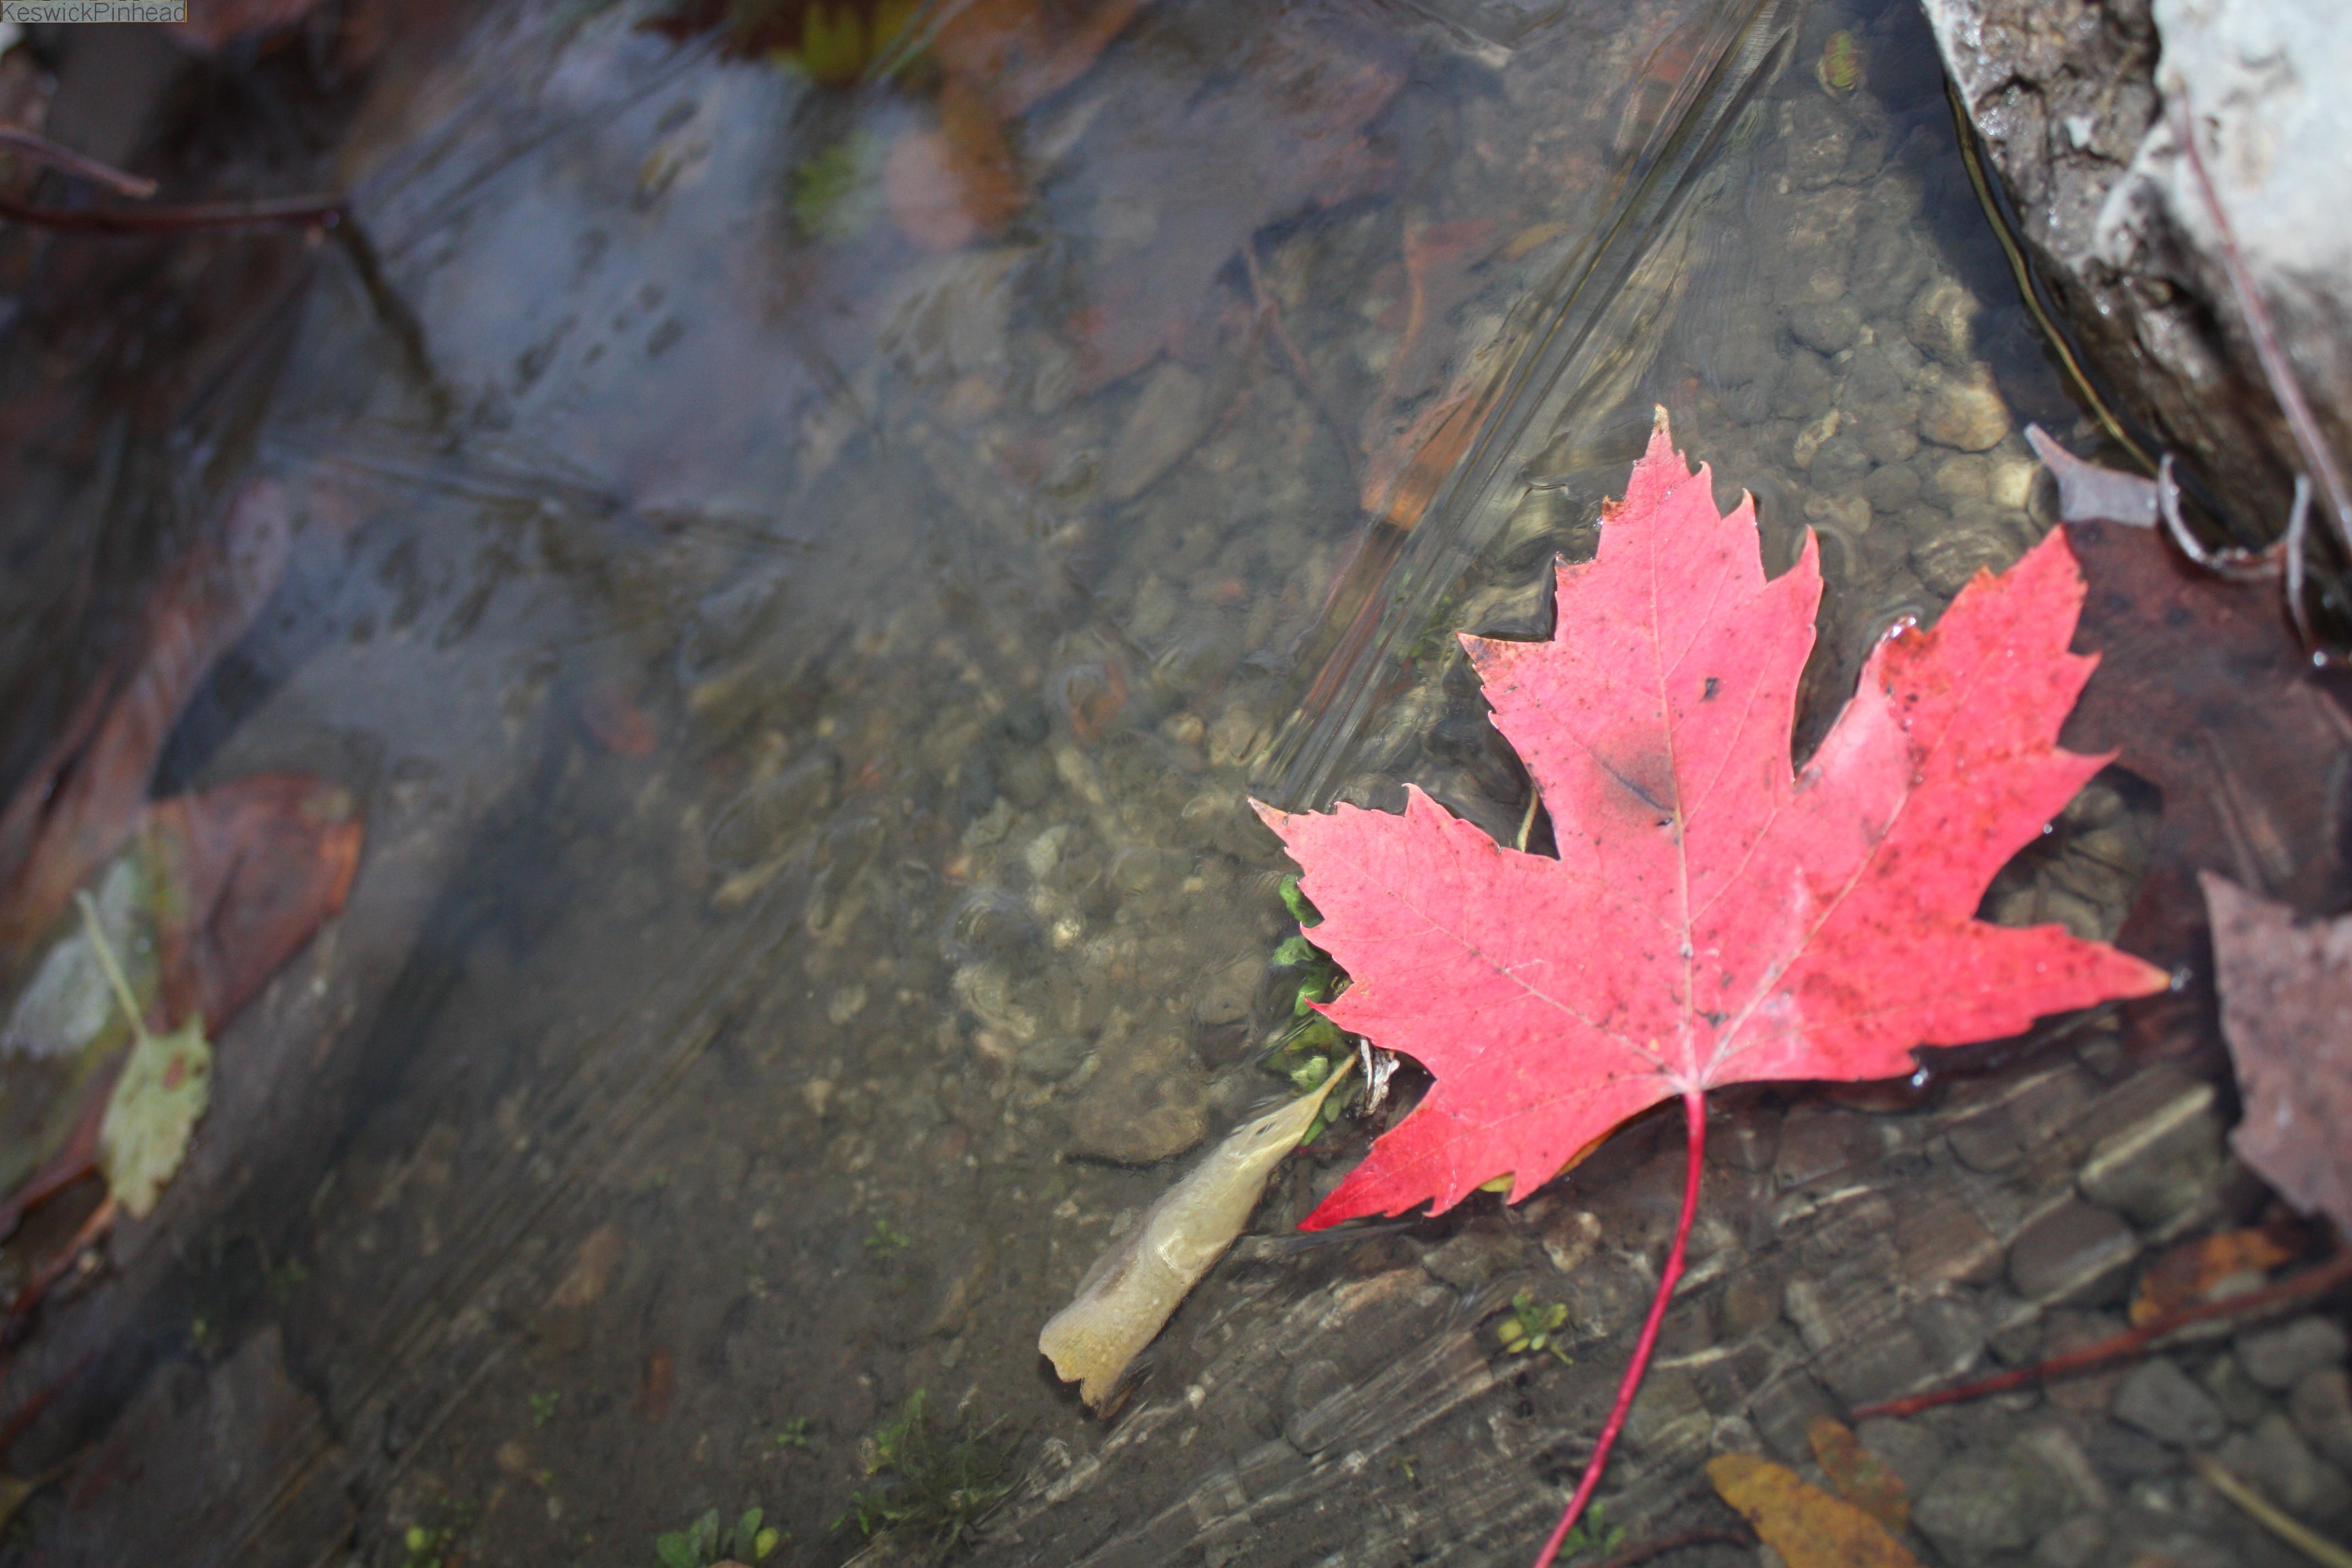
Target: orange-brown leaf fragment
(1859,1475)
(2187,1271)
(1809,1528)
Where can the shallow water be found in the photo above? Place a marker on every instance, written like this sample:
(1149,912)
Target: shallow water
(801,686)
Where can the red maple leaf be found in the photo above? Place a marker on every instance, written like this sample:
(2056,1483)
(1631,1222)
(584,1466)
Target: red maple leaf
(1715,916)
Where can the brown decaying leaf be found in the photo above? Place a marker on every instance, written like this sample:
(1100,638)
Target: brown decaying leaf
(256,866)
(2203,691)
(81,800)
(2187,1271)
(2286,1012)
(1809,1528)
(1859,1475)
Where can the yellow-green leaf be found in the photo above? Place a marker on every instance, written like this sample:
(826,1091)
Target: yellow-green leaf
(155,1106)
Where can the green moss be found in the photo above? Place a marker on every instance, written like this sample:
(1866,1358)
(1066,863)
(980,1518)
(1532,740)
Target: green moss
(935,1485)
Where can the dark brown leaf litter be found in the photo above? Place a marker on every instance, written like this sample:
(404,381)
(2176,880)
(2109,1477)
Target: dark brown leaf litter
(2203,690)
(2286,1012)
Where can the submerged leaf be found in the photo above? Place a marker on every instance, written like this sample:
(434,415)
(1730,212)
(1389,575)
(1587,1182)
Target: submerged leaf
(1859,1475)
(2286,1001)
(1809,1528)
(1128,1295)
(157,1101)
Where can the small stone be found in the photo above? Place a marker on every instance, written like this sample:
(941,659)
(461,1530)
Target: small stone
(2281,1466)
(1911,1450)
(1973,1506)
(1840,464)
(1808,388)
(1570,1238)
(2053,1451)
(1169,419)
(2240,1402)
(2076,1253)
(1846,514)
(2161,1164)
(2077,1543)
(1890,441)
(1827,328)
(2159,1399)
(1946,560)
(2283,1357)
(1963,478)
(1608,1293)
(1821,144)
(1967,414)
(1233,736)
(1230,993)
(2322,1408)
(1147,1101)
(2011,483)
(1809,439)
(1942,322)
(1942,1241)
(1470,1259)
(1053,1059)
(1817,1143)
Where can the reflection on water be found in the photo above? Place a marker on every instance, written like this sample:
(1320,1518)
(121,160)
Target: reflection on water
(801,624)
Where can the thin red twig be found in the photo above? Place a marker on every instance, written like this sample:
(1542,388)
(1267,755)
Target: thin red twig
(2131,1341)
(300,212)
(41,150)
(1695,1120)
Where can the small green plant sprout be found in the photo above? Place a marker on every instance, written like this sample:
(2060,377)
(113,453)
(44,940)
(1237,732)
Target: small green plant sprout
(885,1238)
(706,1542)
(1313,1047)
(937,1487)
(421,1547)
(543,1408)
(794,1434)
(1533,1325)
(1593,1534)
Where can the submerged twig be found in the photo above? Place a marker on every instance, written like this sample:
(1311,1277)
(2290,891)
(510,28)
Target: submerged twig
(2116,1347)
(2318,1548)
(300,212)
(41,150)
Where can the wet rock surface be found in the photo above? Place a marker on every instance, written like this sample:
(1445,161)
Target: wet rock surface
(2072,102)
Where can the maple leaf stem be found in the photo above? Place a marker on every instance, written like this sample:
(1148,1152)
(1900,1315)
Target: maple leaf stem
(1695,1120)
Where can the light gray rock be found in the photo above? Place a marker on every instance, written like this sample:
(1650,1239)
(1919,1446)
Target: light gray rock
(2283,1357)
(2274,1458)
(1147,1100)
(1975,1506)
(2322,1406)
(1168,419)
(2067,102)
(2158,1167)
(2076,1253)
(2159,1400)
